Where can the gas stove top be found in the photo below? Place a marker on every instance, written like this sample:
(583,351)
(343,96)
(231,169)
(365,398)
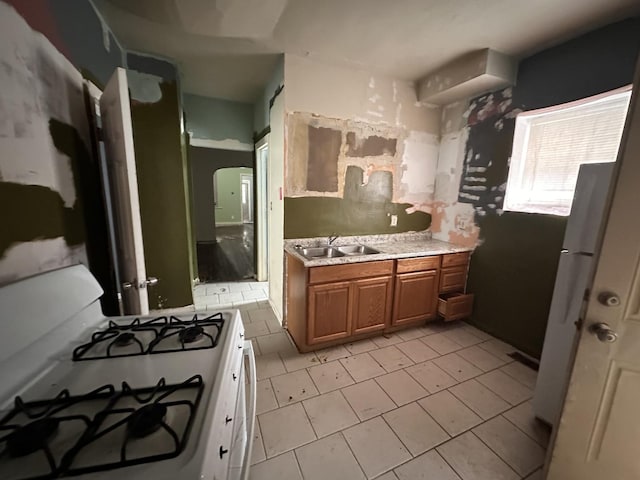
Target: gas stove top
(104,429)
(162,334)
(155,397)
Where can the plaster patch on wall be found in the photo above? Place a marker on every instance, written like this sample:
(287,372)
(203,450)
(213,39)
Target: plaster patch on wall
(371,146)
(406,159)
(28,257)
(144,87)
(322,158)
(419,163)
(38,84)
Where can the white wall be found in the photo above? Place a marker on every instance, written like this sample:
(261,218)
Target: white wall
(346,93)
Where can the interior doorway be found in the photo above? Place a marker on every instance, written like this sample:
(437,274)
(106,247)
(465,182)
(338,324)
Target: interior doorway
(230,257)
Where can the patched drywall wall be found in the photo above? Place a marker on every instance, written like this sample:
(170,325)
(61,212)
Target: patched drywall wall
(226,124)
(513,268)
(44,143)
(356,154)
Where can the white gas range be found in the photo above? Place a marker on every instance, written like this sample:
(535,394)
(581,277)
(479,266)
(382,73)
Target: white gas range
(138,398)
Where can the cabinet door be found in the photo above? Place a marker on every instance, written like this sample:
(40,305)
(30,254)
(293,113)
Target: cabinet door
(453,279)
(329,312)
(371,304)
(416,297)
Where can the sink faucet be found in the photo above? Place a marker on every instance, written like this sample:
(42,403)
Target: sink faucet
(331,239)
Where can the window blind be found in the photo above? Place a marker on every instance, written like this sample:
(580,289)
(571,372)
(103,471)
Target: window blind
(550,145)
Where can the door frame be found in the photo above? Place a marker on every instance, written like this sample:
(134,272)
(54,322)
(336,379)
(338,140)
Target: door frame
(246,179)
(260,216)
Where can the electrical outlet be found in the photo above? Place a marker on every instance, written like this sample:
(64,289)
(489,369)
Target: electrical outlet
(394,220)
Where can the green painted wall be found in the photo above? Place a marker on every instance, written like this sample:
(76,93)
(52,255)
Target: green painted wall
(513,270)
(161,187)
(218,119)
(229,206)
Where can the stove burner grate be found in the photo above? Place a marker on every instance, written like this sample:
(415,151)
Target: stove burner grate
(146,417)
(191,334)
(32,437)
(124,341)
(146,420)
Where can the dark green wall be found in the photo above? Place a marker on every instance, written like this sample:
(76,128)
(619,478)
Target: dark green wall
(513,269)
(161,188)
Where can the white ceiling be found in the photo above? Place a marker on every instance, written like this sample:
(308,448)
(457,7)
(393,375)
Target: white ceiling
(228,48)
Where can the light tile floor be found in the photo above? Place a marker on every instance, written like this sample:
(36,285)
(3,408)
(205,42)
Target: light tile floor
(233,294)
(443,401)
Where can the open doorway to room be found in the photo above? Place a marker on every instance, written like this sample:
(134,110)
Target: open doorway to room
(223,205)
(233,256)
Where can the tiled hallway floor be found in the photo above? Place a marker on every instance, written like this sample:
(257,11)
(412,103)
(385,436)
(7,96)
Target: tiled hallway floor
(211,296)
(440,402)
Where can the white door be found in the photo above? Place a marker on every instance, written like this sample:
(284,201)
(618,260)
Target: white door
(599,432)
(275,212)
(115,111)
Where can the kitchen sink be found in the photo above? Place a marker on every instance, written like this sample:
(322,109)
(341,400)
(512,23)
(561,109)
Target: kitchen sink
(321,252)
(357,250)
(332,252)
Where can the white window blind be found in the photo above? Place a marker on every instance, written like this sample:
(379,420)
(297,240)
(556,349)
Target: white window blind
(550,145)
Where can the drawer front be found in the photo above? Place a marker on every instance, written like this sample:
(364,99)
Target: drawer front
(453,278)
(455,306)
(454,259)
(409,265)
(333,273)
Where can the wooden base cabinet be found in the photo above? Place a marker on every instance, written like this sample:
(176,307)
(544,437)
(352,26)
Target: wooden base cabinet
(330,305)
(416,297)
(371,304)
(329,312)
(344,309)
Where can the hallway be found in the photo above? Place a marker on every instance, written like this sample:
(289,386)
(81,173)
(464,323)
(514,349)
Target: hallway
(231,258)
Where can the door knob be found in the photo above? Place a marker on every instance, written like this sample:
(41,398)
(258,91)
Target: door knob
(151,281)
(127,285)
(609,299)
(603,332)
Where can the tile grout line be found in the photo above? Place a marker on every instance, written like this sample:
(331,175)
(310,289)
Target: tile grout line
(499,456)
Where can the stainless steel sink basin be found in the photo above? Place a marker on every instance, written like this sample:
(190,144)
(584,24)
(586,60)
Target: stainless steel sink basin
(357,250)
(321,252)
(332,252)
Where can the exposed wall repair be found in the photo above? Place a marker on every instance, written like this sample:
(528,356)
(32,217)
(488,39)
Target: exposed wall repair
(43,141)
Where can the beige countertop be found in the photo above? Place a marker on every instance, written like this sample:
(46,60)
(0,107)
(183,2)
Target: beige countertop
(391,248)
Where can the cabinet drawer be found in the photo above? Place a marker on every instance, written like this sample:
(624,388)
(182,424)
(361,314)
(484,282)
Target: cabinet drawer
(333,273)
(453,259)
(408,265)
(454,306)
(453,278)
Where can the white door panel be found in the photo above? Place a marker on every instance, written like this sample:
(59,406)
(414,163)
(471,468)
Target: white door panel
(599,430)
(115,112)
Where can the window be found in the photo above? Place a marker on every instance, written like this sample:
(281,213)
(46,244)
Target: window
(550,144)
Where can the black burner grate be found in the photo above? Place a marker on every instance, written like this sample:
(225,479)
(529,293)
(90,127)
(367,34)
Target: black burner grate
(130,415)
(157,335)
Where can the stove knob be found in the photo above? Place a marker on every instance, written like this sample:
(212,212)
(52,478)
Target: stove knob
(223,451)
